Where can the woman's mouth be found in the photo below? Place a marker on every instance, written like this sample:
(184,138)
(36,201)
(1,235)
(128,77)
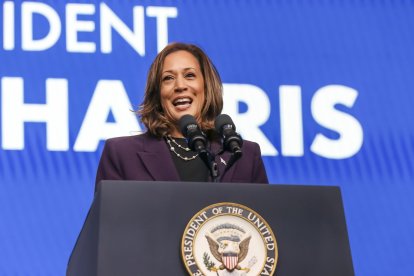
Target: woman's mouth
(182,103)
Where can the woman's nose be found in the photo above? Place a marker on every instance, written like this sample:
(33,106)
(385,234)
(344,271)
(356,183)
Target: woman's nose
(180,84)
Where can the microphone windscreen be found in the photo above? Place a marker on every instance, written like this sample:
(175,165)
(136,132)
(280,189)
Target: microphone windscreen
(185,121)
(221,120)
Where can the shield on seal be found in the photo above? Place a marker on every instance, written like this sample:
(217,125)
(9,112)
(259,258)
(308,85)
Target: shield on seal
(230,260)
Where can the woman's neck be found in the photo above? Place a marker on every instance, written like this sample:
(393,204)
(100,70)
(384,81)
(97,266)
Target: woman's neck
(176,133)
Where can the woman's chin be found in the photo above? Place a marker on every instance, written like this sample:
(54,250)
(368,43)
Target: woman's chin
(188,111)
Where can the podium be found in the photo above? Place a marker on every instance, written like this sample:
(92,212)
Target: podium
(135,227)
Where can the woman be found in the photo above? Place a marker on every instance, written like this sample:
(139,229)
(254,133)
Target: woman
(181,80)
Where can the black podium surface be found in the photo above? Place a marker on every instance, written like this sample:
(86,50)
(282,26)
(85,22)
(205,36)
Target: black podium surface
(135,228)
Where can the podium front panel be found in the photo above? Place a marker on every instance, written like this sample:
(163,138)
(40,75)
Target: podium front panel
(135,228)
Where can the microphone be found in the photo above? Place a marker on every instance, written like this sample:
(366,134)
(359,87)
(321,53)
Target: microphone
(232,141)
(196,139)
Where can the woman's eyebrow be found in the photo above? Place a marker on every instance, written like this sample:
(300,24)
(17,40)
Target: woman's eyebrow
(184,69)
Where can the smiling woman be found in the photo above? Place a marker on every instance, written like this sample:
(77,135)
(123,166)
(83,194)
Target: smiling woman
(182,88)
(181,71)
(181,81)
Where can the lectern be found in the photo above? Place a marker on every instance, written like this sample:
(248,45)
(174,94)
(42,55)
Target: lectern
(135,228)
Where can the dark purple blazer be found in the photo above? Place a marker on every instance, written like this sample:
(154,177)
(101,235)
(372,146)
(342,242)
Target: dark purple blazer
(145,157)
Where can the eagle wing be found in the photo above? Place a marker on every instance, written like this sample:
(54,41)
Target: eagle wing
(214,246)
(244,248)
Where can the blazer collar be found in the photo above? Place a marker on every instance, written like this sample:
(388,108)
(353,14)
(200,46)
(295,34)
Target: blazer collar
(156,158)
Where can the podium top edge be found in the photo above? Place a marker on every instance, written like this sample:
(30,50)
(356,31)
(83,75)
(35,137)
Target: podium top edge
(184,183)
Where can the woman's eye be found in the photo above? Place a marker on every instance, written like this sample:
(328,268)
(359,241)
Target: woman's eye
(166,78)
(190,75)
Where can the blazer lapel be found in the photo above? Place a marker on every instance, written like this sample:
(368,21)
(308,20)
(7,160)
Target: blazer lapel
(157,160)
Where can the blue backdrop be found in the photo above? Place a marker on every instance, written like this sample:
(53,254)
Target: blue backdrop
(325,87)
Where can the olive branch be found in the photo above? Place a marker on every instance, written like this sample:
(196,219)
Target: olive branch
(208,263)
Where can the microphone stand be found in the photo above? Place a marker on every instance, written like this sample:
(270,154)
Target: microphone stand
(209,159)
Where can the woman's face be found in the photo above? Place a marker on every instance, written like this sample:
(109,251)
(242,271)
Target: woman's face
(182,86)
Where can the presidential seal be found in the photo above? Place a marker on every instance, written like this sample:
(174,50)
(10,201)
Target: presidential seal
(228,239)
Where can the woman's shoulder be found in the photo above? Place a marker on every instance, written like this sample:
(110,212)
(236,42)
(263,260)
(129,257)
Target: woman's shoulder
(127,141)
(251,149)
(250,144)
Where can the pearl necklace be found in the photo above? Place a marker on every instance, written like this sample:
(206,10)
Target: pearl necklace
(171,142)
